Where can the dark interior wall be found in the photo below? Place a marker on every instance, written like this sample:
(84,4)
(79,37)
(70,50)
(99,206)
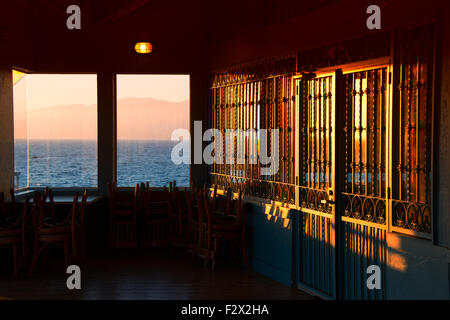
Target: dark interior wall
(188,35)
(337,22)
(38,39)
(16,34)
(443,99)
(6,131)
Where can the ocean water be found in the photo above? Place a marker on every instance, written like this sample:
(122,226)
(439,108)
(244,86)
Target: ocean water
(63,163)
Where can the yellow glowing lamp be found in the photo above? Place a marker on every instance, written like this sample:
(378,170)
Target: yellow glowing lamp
(143,47)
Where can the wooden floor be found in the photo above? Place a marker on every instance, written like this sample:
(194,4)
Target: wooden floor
(147,275)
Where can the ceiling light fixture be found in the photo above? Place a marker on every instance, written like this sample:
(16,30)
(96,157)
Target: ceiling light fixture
(143,47)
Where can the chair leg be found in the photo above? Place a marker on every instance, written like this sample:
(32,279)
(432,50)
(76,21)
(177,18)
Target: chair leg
(44,259)
(66,253)
(75,247)
(24,250)
(244,251)
(171,245)
(110,236)
(15,260)
(235,248)
(35,258)
(213,264)
(82,245)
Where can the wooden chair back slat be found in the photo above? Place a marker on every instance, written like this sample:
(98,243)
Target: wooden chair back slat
(2,206)
(13,202)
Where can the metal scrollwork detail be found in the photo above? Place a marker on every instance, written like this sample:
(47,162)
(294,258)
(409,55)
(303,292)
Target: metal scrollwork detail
(314,199)
(360,207)
(412,216)
(267,189)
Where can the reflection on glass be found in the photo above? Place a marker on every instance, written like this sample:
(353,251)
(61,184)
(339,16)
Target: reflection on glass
(55,130)
(149,109)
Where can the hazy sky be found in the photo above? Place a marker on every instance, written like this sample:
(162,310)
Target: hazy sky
(173,88)
(45,90)
(37,91)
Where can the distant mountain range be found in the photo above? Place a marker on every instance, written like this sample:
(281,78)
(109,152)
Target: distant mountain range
(138,119)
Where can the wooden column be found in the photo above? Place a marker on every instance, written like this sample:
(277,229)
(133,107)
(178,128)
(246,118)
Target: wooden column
(6,130)
(106,118)
(198,112)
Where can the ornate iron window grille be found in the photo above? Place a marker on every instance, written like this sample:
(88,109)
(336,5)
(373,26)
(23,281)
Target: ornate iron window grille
(261,95)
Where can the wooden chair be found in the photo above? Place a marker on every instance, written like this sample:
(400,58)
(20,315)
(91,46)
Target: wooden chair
(13,235)
(177,219)
(49,206)
(156,218)
(192,230)
(13,203)
(2,206)
(8,210)
(214,198)
(228,225)
(205,245)
(4,212)
(122,228)
(79,231)
(51,231)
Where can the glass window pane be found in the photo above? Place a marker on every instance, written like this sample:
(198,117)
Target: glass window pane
(149,109)
(55,130)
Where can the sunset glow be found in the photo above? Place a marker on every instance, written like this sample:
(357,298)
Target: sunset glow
(64,107)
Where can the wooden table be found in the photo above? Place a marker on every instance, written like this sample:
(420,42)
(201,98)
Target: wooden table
(67,199)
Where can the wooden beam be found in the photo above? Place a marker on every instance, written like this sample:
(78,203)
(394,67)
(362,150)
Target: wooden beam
(106,117)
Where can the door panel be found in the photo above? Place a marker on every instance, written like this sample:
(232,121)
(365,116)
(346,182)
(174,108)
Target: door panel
(361,246)
(327,258)
(362,240)
(316,256)
(316,185)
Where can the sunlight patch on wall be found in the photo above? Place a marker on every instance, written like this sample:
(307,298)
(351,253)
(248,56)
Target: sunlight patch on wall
(395,259)
(274,214)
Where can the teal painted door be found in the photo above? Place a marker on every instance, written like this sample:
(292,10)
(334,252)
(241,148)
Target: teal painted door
(364,197)
(343,180)
(315,190)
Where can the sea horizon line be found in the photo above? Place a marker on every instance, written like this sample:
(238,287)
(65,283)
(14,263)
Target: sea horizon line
(64,139)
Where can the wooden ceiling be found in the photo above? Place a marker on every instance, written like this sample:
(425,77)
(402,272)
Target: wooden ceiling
(33,33)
